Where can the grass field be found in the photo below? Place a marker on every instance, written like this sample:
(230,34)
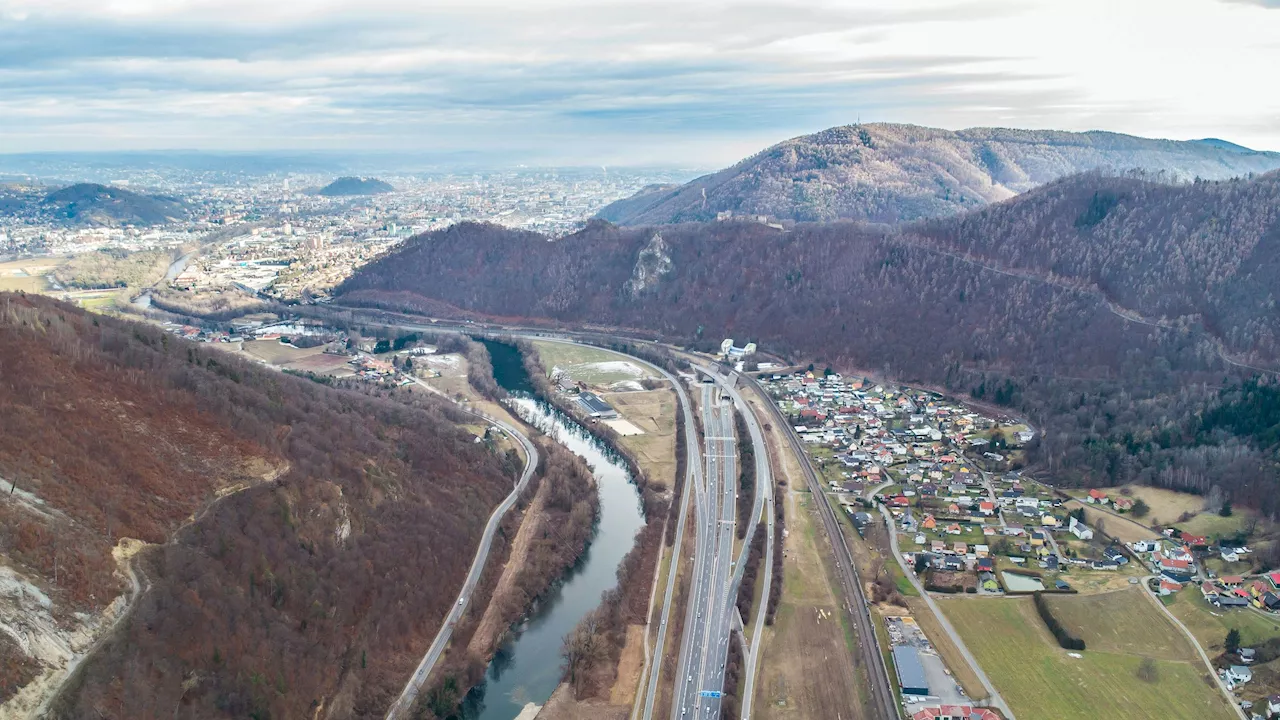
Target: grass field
(807,670)
(1040,680)
(1169,505)
(1122,621)
(1210,625)
(275,352)
(593,366)
(1116,526)
(27,275)
(1213,524)
(654,412)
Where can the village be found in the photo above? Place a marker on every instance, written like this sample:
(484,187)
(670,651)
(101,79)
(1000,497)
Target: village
(964,521)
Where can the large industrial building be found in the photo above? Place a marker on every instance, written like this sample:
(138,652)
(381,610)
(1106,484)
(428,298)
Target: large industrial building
(906,659)
(596,407)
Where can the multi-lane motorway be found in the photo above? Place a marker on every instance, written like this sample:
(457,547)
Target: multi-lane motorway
(700,674)
(704,645)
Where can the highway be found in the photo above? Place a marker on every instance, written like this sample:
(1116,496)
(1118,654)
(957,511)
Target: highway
(764,493)
(707,624)
(882,701)
(692,482)
(404,703)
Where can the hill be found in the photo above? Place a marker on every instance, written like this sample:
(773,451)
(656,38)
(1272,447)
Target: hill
(892,173)
(347,186)
(284,527)
(1108,310)
(93,204)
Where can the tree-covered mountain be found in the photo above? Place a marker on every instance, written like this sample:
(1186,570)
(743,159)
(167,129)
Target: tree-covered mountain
(891,173)
(93,204)
(349,186)
(1108,310)
(284,527)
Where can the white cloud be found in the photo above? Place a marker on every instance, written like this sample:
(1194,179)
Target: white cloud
(621,81)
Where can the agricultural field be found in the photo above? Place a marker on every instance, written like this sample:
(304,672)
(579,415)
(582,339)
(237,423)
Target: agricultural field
(1041,680)
(27,275)
(322,364)
(654,413)
(1107,622)
(594,366)
(274,352)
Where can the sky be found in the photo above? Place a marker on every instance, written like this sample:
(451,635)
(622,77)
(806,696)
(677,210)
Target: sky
(621,82)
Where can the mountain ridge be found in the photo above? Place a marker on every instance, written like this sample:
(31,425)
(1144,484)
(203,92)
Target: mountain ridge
(891,173)
(1106,309)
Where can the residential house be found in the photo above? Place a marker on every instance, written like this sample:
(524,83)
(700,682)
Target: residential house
(961,548)
(1122,503)
(1169,587)
(987,507)
(928,523)
(1230,555)
(1247,655)
(1144,546)
(1096,497)
(1237,675)
(1079,529)
(988,581)
(1194,541)
(1116,555)
(1048,520)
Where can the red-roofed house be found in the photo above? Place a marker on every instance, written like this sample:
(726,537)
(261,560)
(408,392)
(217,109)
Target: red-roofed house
(1274,577)
(1096,496)
(954,712)
(1194,540)
(987,507)
(1168,587)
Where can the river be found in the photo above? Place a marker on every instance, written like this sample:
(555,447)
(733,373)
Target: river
(526,669)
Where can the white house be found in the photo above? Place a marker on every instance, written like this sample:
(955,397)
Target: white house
(1079,529)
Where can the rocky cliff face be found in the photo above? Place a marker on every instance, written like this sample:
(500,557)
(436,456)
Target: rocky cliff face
(892,173)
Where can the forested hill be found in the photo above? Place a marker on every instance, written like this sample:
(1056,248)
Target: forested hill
(1095,305)
(93,204)
(301,587)
(347,186)
(891,173)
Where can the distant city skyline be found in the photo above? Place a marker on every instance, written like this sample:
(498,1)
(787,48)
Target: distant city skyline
(620,83)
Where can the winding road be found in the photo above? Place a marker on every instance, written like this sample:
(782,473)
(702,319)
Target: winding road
(404,703)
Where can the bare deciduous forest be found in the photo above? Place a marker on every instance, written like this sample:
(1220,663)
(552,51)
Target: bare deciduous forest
(302,587)
(1115,313)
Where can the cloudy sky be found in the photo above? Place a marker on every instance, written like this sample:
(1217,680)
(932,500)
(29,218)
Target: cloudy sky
(699,82)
